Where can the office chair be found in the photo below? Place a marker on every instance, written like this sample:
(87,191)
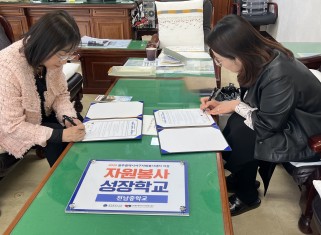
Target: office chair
(6,33)
(257,12)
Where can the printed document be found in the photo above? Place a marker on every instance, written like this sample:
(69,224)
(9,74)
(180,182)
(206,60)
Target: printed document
(188,130)
(114,120)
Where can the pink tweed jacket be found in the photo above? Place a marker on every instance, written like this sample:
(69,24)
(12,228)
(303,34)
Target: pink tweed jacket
(20,112)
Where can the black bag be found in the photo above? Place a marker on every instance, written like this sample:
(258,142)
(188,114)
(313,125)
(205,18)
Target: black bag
(229,92)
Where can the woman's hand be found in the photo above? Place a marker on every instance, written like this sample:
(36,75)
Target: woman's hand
(208,105)
(224,107)
(74,133)
(68,124)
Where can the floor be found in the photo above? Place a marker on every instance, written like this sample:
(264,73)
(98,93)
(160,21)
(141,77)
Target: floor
(278,214)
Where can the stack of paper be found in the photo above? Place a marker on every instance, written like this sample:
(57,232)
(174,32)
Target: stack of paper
(169,61)
(188,130)
(114,121)
(185,56)
(132,71)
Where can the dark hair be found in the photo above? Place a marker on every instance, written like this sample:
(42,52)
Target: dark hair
(234,37)
(53,32)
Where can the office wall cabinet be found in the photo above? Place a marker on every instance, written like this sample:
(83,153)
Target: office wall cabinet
(112,21)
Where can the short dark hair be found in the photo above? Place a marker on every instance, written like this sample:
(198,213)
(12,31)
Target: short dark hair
(53,32)
(234,37)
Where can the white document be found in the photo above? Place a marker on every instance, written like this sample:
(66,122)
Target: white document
(115,110)
(193,139)
(113,129)
(132,71)
(114,120)
(188,130)
(149,126)
(182,118)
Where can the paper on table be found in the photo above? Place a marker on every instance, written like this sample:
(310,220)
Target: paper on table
(105,43)
(115,110)
(193,139)
(188,130)
(182,118)
(132,71)
(87,39)
(149,127)
(113,129)
(112,98)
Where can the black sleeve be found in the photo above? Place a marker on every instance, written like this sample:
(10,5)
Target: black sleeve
(56,136)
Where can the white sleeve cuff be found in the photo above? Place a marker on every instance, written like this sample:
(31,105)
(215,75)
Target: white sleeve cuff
(245,111)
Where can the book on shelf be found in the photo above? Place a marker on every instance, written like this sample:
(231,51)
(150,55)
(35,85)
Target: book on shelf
(188,130)
(114,121)
(134,187)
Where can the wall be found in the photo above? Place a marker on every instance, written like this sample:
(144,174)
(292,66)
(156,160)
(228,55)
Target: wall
(298,21)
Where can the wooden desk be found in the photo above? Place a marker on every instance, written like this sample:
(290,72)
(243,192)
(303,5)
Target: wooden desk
(309,53)
(96,61)
(209,211)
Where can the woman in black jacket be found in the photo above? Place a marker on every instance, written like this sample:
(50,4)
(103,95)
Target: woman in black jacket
(280,106)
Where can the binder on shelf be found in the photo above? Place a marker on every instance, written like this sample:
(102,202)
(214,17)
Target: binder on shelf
(188,130)
(114,121)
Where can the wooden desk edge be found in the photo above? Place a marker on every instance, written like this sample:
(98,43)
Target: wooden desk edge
(227,220)
(35,193)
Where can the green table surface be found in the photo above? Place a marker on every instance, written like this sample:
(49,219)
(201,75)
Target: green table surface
(303,49)
(46,214)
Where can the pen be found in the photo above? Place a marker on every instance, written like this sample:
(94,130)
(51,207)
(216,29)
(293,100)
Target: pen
(210,98)
(69,119)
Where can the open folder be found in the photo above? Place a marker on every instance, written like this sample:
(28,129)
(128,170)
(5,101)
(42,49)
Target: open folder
(114,121)
(188,130)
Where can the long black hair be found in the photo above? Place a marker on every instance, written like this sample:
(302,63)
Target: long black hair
(233,37)
(53,32)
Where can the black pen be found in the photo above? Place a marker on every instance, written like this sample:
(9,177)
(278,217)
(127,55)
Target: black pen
(69,119)
(210,98)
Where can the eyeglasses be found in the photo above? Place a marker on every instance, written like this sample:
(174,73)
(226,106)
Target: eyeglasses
(218,63)
(67,57)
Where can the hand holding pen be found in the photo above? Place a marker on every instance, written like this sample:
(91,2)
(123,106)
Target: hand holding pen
(73,133)
(69,119)
(209,98)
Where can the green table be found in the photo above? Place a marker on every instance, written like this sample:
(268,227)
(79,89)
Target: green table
(209,213)
(309,53)
(304,49)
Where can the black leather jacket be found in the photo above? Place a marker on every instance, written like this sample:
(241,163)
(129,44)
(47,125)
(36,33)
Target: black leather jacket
(288,98)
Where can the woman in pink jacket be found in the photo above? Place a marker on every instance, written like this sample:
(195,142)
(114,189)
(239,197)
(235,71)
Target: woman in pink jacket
(33,91)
